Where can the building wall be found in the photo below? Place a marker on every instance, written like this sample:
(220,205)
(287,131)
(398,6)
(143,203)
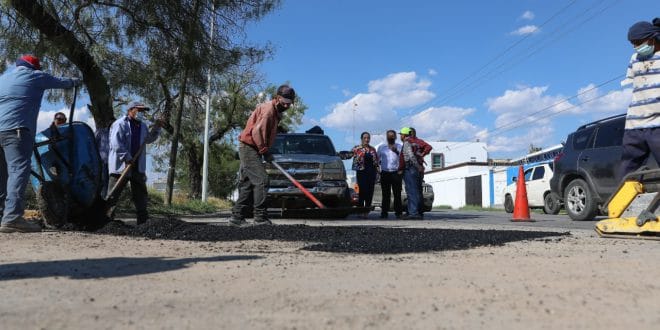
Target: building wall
(500,181)
(449,185)
(457,152)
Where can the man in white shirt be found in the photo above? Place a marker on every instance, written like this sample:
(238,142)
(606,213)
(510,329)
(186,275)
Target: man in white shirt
(390,177)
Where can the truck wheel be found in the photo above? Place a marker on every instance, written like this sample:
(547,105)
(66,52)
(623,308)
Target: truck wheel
(508,204)
(551,204)
(52,201)
(579,201)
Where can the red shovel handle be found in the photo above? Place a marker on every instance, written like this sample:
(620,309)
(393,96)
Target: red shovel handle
(300,186)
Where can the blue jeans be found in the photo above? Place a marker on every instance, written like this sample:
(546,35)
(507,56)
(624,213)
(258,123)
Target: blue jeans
(411,178)
(15,157)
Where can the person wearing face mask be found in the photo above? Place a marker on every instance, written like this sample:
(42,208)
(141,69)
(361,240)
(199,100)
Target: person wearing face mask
(255,142)
(390,178)
(366,166)
(126,136)
(642,132)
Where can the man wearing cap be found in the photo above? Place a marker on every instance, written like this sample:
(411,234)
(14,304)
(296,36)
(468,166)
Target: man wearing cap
(254,144)
(127,134)
(641,136)
(421,150)
(411,163)
(21,91)
(59,119)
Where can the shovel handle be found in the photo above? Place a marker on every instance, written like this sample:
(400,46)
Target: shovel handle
(300,186)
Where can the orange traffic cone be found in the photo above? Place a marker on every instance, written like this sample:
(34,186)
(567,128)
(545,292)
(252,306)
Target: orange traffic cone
(521,206)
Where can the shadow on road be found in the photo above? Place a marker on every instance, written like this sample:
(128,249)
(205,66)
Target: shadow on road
(351,239)
(81,269)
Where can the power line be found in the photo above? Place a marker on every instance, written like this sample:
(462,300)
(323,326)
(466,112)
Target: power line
(498,56)
(552,114)
(491,74)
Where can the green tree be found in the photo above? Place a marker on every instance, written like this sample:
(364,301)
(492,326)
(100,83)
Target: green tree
(155,49)
(236,95)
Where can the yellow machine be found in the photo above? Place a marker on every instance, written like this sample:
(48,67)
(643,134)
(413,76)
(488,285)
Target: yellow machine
(633,207)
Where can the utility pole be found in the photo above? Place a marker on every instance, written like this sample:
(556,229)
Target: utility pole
(205,164)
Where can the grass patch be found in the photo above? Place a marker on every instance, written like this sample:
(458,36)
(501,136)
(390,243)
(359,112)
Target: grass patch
(479,208)
(181,205)
(442,207)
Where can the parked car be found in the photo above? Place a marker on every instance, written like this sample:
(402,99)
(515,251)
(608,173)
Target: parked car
(585,172)
(539,195)
(427,194)
(312,160)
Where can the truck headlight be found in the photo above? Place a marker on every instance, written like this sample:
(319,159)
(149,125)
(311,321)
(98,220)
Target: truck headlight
(333,171)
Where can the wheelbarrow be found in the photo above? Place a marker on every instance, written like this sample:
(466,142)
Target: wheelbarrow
(66,175)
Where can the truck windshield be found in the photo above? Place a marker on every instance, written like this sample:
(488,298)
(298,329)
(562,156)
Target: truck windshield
(303,144)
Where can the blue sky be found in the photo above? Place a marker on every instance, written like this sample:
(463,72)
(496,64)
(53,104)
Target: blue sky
(417,63)
(456,70)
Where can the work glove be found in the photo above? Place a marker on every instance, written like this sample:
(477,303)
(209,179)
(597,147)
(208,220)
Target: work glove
(267,157)
(77,82)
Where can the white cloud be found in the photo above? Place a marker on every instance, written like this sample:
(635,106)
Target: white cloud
(80,114)
(525,104)
(432,72)
(443,123)
(613,102)
(376,109)
(527,15)
(516,145)
(526,30)
(534,106)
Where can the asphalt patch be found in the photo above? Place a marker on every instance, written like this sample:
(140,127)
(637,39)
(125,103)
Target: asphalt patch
(348,239)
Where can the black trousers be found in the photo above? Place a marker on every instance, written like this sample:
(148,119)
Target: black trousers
(139,192)
(390,184)
(638,145)
(252,185)
(366,179)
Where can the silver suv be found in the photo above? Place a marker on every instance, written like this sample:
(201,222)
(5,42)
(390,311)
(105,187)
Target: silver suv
(312,160)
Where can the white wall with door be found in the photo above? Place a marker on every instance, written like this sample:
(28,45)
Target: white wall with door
(461,185)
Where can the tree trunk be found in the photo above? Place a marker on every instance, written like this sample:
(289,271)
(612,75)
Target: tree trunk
(174,148)
(195,171)
(67,43)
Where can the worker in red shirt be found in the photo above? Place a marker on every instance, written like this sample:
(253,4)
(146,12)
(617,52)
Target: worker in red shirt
(254,144)
(411,164)
(423,149)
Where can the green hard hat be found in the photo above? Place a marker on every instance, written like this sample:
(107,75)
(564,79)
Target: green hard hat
(405,131)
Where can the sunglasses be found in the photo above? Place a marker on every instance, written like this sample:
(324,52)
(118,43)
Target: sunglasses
(60,119)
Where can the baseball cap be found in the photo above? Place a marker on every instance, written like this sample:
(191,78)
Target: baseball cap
(31,60)
(405,131)
(287,93)
(138,105)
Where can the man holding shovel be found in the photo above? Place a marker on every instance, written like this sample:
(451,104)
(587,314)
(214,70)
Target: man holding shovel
(127,136)
(21,91)
(255,141)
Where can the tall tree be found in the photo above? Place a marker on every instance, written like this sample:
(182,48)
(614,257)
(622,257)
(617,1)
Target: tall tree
(154,49)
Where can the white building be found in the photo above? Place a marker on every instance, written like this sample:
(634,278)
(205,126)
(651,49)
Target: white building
(446,153)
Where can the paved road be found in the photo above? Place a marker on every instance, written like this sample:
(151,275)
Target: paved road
(438,218)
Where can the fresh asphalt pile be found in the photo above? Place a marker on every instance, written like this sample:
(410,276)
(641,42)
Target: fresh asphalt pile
(351,239)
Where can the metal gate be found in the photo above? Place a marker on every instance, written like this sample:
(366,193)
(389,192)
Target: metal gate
(473,190)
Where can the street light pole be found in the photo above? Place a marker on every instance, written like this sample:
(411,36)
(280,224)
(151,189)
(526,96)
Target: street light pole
(205,164)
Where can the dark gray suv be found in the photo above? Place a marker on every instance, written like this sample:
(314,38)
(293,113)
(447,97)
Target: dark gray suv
(585,172)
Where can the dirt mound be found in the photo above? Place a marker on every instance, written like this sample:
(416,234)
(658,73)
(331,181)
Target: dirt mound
(354,239)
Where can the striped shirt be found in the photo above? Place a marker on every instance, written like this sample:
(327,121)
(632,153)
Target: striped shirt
(644,110)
